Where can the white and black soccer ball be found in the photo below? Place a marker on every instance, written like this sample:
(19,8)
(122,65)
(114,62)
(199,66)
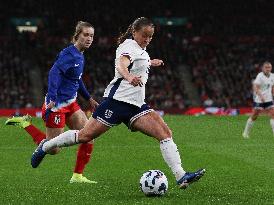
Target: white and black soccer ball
(154,183)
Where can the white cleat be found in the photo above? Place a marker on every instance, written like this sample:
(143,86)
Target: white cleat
(245,136)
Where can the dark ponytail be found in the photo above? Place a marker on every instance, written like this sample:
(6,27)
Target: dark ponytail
(125,35)
(135,26)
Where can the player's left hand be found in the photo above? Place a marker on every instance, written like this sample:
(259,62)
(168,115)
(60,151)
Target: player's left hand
(156,62)
(93,104)
(50,105)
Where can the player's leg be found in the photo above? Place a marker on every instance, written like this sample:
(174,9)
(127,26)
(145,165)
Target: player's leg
(250,122)
(99,123)
(55,125)
(25,123)
(153,125)
(271,113)
(76,122)
(52,133)
(91,130)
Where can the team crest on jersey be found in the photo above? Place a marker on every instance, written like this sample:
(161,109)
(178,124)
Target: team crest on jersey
(108,113)
(57,119)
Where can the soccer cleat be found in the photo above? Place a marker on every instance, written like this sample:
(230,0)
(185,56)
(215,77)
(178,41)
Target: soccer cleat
(190,177)
(79,178)
(38,155)
(245,136)
(22,122)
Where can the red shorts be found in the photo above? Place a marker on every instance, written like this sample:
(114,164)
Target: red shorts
(58,119)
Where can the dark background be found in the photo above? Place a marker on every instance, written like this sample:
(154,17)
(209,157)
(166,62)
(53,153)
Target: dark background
(210,60)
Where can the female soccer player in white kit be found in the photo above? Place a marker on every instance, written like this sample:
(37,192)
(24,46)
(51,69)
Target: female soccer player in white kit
(263,97)
(124,102)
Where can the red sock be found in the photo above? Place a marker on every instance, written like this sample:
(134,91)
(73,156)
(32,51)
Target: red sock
(83,157)
(35,133)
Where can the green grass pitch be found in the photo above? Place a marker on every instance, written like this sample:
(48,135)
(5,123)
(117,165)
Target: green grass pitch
(238,171)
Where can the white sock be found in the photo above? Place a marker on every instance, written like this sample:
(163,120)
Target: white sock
(65,139)
(172,157)
(272,124)
(248,126)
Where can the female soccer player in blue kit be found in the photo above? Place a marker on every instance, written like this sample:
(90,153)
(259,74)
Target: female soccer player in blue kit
(124,102)
(64,82)
(60,107)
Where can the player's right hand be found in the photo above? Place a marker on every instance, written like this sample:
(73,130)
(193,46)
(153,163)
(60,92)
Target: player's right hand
(50,105)
(93,104)
(135,80)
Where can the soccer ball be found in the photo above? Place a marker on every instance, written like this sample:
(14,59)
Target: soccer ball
(154,183)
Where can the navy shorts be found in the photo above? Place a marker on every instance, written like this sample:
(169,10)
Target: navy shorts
(113,112)
(261,106)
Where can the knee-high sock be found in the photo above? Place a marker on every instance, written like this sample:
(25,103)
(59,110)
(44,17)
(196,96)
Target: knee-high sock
(83,157)
(272,124)
(35,133)
(248,126)
(172,157)
(65,139)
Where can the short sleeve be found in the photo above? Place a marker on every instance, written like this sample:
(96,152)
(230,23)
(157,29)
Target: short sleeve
(128,49)
(257,80)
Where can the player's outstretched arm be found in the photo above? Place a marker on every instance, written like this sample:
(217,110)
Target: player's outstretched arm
(156,62)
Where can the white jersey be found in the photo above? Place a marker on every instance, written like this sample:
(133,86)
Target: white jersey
(265,84)
(119,88)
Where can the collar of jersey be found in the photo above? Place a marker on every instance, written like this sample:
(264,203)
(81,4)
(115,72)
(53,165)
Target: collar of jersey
(77,51)
(138,44)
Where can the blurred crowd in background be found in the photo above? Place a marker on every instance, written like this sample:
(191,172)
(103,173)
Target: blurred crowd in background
(221,47)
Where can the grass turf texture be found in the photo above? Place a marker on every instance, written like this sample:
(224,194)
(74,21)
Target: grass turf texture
(239,171)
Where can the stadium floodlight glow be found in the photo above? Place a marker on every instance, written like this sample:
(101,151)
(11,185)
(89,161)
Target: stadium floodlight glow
(27,28)
(26,24)
(175,21)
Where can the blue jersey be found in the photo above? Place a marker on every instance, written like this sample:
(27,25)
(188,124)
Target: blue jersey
(65,77)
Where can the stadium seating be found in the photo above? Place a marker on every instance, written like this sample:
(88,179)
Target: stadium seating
(222,52)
